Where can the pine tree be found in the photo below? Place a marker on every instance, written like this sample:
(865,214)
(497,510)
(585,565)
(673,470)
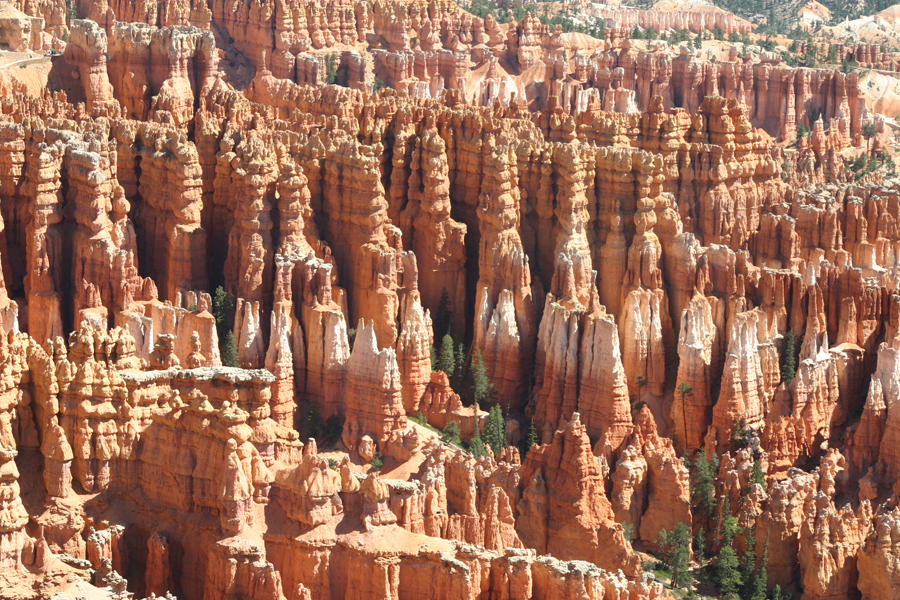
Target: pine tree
(788,358)
(434,359)
(757,475)
(495,429)
(679,555)
(447,357)
(777,594)
(450,433)
(703,489)
(531,438)
(482,388)
(476,446)
(748,562)
(727,574)
(229,351)
(442,316)
(757,589)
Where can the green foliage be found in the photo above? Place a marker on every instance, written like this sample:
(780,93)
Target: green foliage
(420,418)
(447,356)
(495,429)
(700,542)
(788,357)
(476,446)
(628,530)
(331,65)
(719,34)
(222,307)
(757,475)
(332,464)
(727,575)
(377,461)
(450,433)
(675,551)
(531,437)
(378,85)
(65,35)
(442,316)
(597,28)
(434,359)
(766,44)
(651,33)
(637,33)
(849,66)
(748,563)
(332,430)
(229,351)
(192,308)
(741,436)
(756,589)
(641,381)
(482,388)
(868,130)
(313,420)
(698,42)
(351,337)
(777,594)
(678,36)
(703,488)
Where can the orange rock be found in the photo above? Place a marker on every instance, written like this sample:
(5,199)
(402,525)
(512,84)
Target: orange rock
(564,509)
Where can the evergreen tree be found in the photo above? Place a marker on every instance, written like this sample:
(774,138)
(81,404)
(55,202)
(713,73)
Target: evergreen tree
(788,358)
(482,387)
(757,587)
(442,316)
(460,360)
(748,562)
(679,555)
(331,69)
(757,475)
(777,594)
(476,446)
(727,573)
(495,429)
(447,357)
(229,351)
(698,42)
(531,438)
(703,489)
(450,433)
(674,551)
(222,309)
(313,420)
(434,359)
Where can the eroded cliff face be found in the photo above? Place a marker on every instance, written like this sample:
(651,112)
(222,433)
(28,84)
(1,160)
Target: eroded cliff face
(622,261)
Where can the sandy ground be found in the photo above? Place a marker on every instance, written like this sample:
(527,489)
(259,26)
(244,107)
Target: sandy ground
(30,68)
